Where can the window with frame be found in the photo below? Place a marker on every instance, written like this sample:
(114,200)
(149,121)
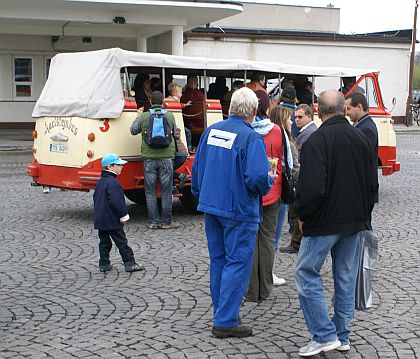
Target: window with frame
(22,77)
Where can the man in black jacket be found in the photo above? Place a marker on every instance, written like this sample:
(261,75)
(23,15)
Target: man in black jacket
(357,109)
(333,195)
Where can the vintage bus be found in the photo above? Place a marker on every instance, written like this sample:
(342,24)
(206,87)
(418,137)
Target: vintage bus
(87,107)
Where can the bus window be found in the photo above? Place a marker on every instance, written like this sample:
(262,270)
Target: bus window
(371,95)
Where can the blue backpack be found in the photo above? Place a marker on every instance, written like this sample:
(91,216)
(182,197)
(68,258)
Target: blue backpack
(158,133)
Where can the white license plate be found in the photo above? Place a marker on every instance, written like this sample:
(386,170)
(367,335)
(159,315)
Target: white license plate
(57,147)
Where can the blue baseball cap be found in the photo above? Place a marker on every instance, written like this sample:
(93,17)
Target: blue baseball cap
(112,159)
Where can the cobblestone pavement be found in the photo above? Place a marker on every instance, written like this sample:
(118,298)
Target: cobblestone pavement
(54,302)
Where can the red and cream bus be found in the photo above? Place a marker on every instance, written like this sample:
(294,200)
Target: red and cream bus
(86,109)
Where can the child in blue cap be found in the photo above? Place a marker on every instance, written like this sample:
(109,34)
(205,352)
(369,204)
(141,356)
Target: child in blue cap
(110,214)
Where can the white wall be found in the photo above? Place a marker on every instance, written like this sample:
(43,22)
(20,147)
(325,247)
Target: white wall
(43,44)
(392,60)
(284,17)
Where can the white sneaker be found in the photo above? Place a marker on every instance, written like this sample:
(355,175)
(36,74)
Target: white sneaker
(344,347)
(314,347)
(278,281)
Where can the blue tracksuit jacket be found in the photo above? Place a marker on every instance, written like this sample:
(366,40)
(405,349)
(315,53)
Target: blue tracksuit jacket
(230,172)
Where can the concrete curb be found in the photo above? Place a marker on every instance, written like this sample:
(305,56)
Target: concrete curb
(16,148)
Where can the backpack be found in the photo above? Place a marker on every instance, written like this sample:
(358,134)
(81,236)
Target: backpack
(158,133)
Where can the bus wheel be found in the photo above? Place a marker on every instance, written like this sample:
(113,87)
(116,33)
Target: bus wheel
(188,200)
(136,195)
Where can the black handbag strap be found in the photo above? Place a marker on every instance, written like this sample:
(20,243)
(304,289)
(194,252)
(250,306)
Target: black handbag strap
(286,163)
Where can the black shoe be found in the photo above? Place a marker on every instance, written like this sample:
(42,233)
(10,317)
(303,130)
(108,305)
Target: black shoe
(240,331)
(289,249)
(105,268)
(134,268)
(253,300)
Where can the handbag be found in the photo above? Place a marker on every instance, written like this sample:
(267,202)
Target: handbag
(288,191)
(367,263)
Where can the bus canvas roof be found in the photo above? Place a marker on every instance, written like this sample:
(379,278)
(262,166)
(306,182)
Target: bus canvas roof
(88,84)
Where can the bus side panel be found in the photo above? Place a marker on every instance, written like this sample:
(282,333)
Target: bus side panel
(214,112)
(387,145)
(59,141)
(388,160)
(112,135)
(68,150)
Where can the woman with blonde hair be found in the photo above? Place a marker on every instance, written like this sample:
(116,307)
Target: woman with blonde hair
(282,117)
(261,282)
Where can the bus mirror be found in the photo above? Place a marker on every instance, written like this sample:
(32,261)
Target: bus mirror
(394,101)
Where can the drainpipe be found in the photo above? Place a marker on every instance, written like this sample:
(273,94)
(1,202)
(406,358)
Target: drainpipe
(411,74)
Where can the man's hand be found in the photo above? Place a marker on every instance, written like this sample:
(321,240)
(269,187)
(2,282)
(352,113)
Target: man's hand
(300,225)
(140,111)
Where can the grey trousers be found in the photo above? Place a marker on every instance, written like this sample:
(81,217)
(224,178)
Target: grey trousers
(261,282)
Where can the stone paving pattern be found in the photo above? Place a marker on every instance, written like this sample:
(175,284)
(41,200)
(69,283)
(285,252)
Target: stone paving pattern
(54,302)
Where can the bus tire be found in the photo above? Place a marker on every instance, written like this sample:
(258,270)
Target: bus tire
(136,195)
(188,200)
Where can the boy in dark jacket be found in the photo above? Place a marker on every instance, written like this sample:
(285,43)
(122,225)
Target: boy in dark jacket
(110,214)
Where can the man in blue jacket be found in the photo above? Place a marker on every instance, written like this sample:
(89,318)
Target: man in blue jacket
(230,175)
(357,109)
(110,214)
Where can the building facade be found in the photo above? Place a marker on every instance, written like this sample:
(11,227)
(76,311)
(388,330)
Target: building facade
(298,35)
(31,33)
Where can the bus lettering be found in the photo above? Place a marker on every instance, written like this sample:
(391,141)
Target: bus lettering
(61,122)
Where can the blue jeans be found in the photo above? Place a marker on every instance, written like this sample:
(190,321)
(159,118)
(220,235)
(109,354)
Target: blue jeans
(280,223)
(162,170)
(345,254)
(231,247)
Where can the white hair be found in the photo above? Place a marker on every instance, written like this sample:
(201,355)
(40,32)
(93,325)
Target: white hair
(244,103)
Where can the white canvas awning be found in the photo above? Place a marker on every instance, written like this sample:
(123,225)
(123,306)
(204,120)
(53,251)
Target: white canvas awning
(88,84)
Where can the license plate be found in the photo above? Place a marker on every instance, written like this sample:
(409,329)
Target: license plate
(57,147)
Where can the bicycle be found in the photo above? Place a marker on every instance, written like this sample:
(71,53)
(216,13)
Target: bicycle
(414,115)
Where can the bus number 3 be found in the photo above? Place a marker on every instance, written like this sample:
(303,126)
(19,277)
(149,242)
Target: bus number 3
(105,127)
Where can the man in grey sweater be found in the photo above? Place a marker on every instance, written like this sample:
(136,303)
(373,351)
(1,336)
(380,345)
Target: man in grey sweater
(306,125)
(304,121)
